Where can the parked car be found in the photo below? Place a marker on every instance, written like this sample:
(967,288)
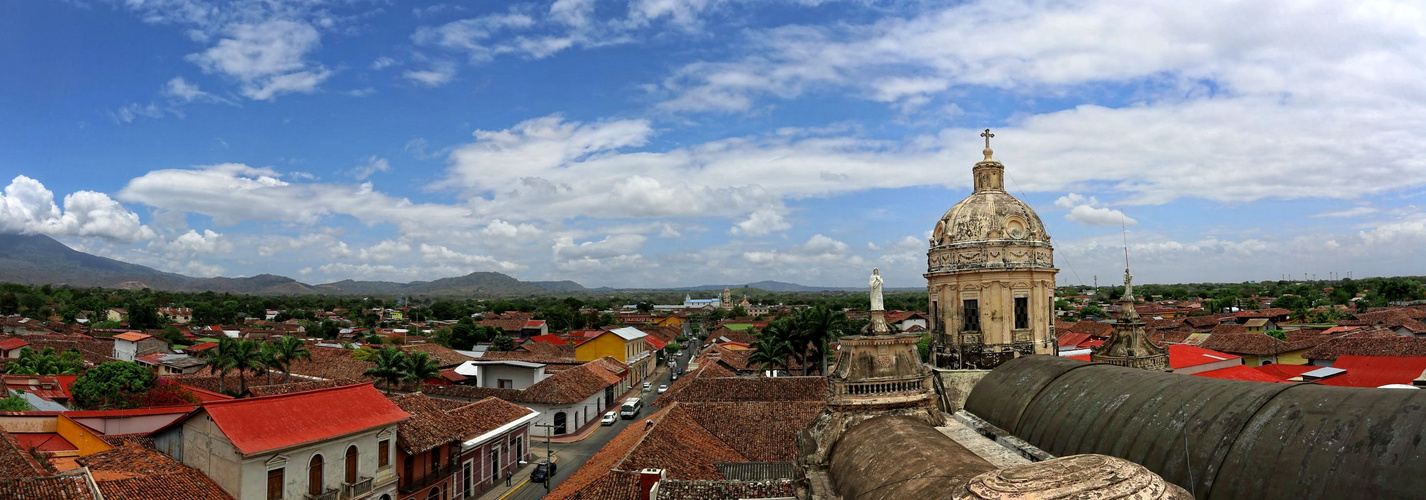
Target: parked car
(663,388)
(647,386)
(679,372)
(673,377)
(609,418)
(544,471)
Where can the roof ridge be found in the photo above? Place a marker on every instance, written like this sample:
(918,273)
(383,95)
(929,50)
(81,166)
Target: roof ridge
(234,402)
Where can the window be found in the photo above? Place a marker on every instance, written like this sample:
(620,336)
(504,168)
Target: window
(351,463)
(275,478)
(383,447)
(314,476)
(1022,313)
(410,468)
(519,447)
(494,466)
(506,383)
(970,316)
(435,494)
(935,315)
(435,462)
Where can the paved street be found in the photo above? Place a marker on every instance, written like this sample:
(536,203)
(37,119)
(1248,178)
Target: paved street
(573,455)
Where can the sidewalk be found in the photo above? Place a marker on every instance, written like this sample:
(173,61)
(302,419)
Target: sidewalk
(521,477)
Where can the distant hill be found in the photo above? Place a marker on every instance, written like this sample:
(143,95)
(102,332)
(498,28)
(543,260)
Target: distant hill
(771,286)
(37,260)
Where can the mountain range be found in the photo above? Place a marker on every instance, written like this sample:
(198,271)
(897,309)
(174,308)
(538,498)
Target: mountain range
(35,259)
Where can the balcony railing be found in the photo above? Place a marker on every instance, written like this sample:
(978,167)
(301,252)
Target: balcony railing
(440,473)
(330,494)
(884,387)
(352,491)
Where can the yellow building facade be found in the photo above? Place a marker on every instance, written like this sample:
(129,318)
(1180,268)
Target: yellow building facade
(628,345)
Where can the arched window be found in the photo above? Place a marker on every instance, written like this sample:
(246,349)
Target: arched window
(560,418)
(351,464)
(314,476)
(435,494)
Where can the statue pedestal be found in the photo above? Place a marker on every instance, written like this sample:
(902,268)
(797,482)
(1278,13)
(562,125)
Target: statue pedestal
(878,325)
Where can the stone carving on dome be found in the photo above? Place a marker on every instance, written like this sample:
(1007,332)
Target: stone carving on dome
(1075,476)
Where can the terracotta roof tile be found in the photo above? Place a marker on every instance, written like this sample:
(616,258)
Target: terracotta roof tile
(1258,344)
(133,472)
(68,486)
(1356,345)
(564,387)
(736,389)
(256,425)
(15,462)
(445,356)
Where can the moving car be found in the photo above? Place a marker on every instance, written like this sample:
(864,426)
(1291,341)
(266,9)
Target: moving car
(663,388)
(544,471)
(647,386)
(609,418)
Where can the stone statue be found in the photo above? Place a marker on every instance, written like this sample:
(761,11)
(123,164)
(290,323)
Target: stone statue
(1128,284)
(876,304)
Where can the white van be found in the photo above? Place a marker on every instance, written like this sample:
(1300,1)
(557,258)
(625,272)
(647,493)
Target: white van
(631,408)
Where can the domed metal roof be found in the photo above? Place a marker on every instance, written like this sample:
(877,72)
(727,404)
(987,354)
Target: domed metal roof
(989,213)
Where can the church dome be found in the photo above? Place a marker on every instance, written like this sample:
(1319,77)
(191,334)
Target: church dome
(990,229)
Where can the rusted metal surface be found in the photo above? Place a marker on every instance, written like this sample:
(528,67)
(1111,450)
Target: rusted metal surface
(1002,395)
(894,458)
(1218,438)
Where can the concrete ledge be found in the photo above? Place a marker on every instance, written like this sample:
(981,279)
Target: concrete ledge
(1009,441)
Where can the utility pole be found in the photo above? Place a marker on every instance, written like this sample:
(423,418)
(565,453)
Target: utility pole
(549,455)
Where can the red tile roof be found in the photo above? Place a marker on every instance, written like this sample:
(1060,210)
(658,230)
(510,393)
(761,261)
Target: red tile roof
(255,425)
(11,344)
(1240,372)
(1073,339)
(1375,371)
(133,472)
(44,441)
(655,343)
(550,339)
(66,486)
(15,462)
(200,347)
(1184,356)
(1364,344)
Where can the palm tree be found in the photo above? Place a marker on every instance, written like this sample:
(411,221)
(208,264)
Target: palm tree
(817,326)
(419,366)
(389,364)
(218,358)
(285,352)
(247,356)
(770,350)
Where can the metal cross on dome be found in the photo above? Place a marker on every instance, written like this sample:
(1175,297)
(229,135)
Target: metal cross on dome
(987,135)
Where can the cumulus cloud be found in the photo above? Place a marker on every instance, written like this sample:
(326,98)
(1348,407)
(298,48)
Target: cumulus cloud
(1090,212)
(268,58)
(760,223)
(28,207)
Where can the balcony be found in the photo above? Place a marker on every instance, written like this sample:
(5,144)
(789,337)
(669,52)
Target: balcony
(433,477)
(330,494)
(352,491)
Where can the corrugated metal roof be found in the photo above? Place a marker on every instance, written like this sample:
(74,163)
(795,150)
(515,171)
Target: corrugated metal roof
(1218,438)
(255,425)
(628,333)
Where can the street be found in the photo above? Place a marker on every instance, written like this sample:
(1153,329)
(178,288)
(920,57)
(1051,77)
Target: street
(573,455)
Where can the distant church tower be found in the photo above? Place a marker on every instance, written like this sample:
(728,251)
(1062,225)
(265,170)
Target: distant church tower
(990,275)
(1129,345)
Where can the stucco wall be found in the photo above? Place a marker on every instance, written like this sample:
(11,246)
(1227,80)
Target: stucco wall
(522,377)
(254,482)
(955,386)
(129,425)
(576,414)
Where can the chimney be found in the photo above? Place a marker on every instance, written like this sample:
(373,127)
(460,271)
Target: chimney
(649,482)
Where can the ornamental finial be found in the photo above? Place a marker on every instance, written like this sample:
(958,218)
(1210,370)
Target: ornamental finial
(987,135)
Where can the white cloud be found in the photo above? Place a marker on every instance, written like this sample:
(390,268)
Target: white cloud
(372,166)
(383,62)
(267,58)
(437,75)
(180,89)
(27,207)
(469,35)
(1350,212)
(1090,216)
(760,223)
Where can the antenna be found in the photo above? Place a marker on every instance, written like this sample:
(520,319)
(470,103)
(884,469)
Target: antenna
(1125,227)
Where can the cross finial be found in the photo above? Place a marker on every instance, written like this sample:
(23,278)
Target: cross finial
(987,135)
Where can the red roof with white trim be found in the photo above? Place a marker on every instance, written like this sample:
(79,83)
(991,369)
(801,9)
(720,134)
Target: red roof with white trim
(655,343)
(1240,372)
(1184,356)
(12,344)
(1375,371)
(255,425)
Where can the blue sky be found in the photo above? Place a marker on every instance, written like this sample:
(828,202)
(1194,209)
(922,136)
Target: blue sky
(654,143)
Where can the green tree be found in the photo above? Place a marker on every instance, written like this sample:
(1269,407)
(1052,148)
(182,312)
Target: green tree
(390,364)
(817,326)
(15,402)
(46,362)
(1278,334)
(418,366)
(503,343)
(246,355)
(111,385)
(772,349)
(216,359)
(286,351)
